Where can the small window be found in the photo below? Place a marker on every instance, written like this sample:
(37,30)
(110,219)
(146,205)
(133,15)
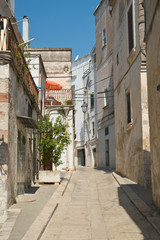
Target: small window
(104,37)
(106,98)
(29,110)
(94,58)
(93,130)
(92,100)
(1,25)
(117,58)
(129,119)
(130,29)
(106,131)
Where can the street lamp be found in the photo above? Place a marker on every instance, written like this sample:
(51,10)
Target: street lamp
(84,107)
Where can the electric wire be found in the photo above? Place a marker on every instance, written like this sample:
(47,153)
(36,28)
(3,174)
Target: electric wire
(97,82)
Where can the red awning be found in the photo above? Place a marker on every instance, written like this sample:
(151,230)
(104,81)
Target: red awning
(51,85)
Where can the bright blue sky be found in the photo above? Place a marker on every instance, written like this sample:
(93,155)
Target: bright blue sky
(60,23)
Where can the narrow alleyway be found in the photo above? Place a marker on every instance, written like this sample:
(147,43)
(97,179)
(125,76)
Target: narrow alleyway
(94,207)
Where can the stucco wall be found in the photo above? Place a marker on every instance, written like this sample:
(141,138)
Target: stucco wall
(39,75)
(132,140)
(104,67)
(57,63)
(4,109)
(78,69)
(153,74)
(13,102)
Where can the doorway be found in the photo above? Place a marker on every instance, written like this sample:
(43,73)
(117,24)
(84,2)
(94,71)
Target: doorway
(81,157)
(94,156)
(107,152)
(21,142)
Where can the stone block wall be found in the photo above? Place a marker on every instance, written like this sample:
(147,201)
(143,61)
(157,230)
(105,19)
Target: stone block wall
(153,78)
(4,108)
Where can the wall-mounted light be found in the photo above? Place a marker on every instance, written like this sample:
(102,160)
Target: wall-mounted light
(84,107)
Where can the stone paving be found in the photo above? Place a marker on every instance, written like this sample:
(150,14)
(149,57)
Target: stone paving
(22,214)
(95,207)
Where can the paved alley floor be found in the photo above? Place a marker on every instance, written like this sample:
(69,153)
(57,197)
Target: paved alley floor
(24,212)
(94,207)
(30,206)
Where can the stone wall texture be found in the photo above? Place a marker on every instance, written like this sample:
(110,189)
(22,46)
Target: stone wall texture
(104,78)
(132,139)
(153,74)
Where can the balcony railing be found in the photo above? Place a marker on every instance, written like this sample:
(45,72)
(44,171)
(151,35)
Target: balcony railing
(9,41)
(58,97)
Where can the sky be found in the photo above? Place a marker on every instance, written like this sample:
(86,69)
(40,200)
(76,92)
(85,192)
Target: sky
(60,23)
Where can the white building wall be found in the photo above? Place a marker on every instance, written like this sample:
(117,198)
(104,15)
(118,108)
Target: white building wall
(78,68)
(90,85)
(38,73)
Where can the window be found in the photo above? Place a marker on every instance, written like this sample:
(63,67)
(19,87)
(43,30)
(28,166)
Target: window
(106,131)
(94,58)
(29,110)
(1,25)
(106,98)
(128,107)
(130,29)
(92,100)
(93,130)
(117,58)
(104,37)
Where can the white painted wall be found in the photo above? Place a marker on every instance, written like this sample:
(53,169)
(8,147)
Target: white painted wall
(89,80)
(38,73)
(78,68)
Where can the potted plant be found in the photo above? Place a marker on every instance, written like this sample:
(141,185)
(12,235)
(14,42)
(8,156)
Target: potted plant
(52,142)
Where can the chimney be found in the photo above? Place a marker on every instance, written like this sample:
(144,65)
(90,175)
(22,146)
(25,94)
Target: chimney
(25,29)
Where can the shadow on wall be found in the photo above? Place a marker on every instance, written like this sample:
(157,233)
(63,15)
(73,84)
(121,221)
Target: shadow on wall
(147,169)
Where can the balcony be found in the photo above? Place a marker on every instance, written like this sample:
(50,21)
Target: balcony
(59,97)
(9,44)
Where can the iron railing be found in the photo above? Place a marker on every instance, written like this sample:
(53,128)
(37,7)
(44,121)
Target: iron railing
(59,97)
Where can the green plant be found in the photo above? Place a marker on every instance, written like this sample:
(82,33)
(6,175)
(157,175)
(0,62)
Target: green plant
(68,102)
(33,97)
(53,140)
(61,111)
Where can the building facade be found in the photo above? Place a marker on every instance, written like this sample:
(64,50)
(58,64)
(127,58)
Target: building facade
(153,76)
(57,65)
(37,70)
(130,92)
(105,97)
(90,111)
(79,67)
(18,113)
